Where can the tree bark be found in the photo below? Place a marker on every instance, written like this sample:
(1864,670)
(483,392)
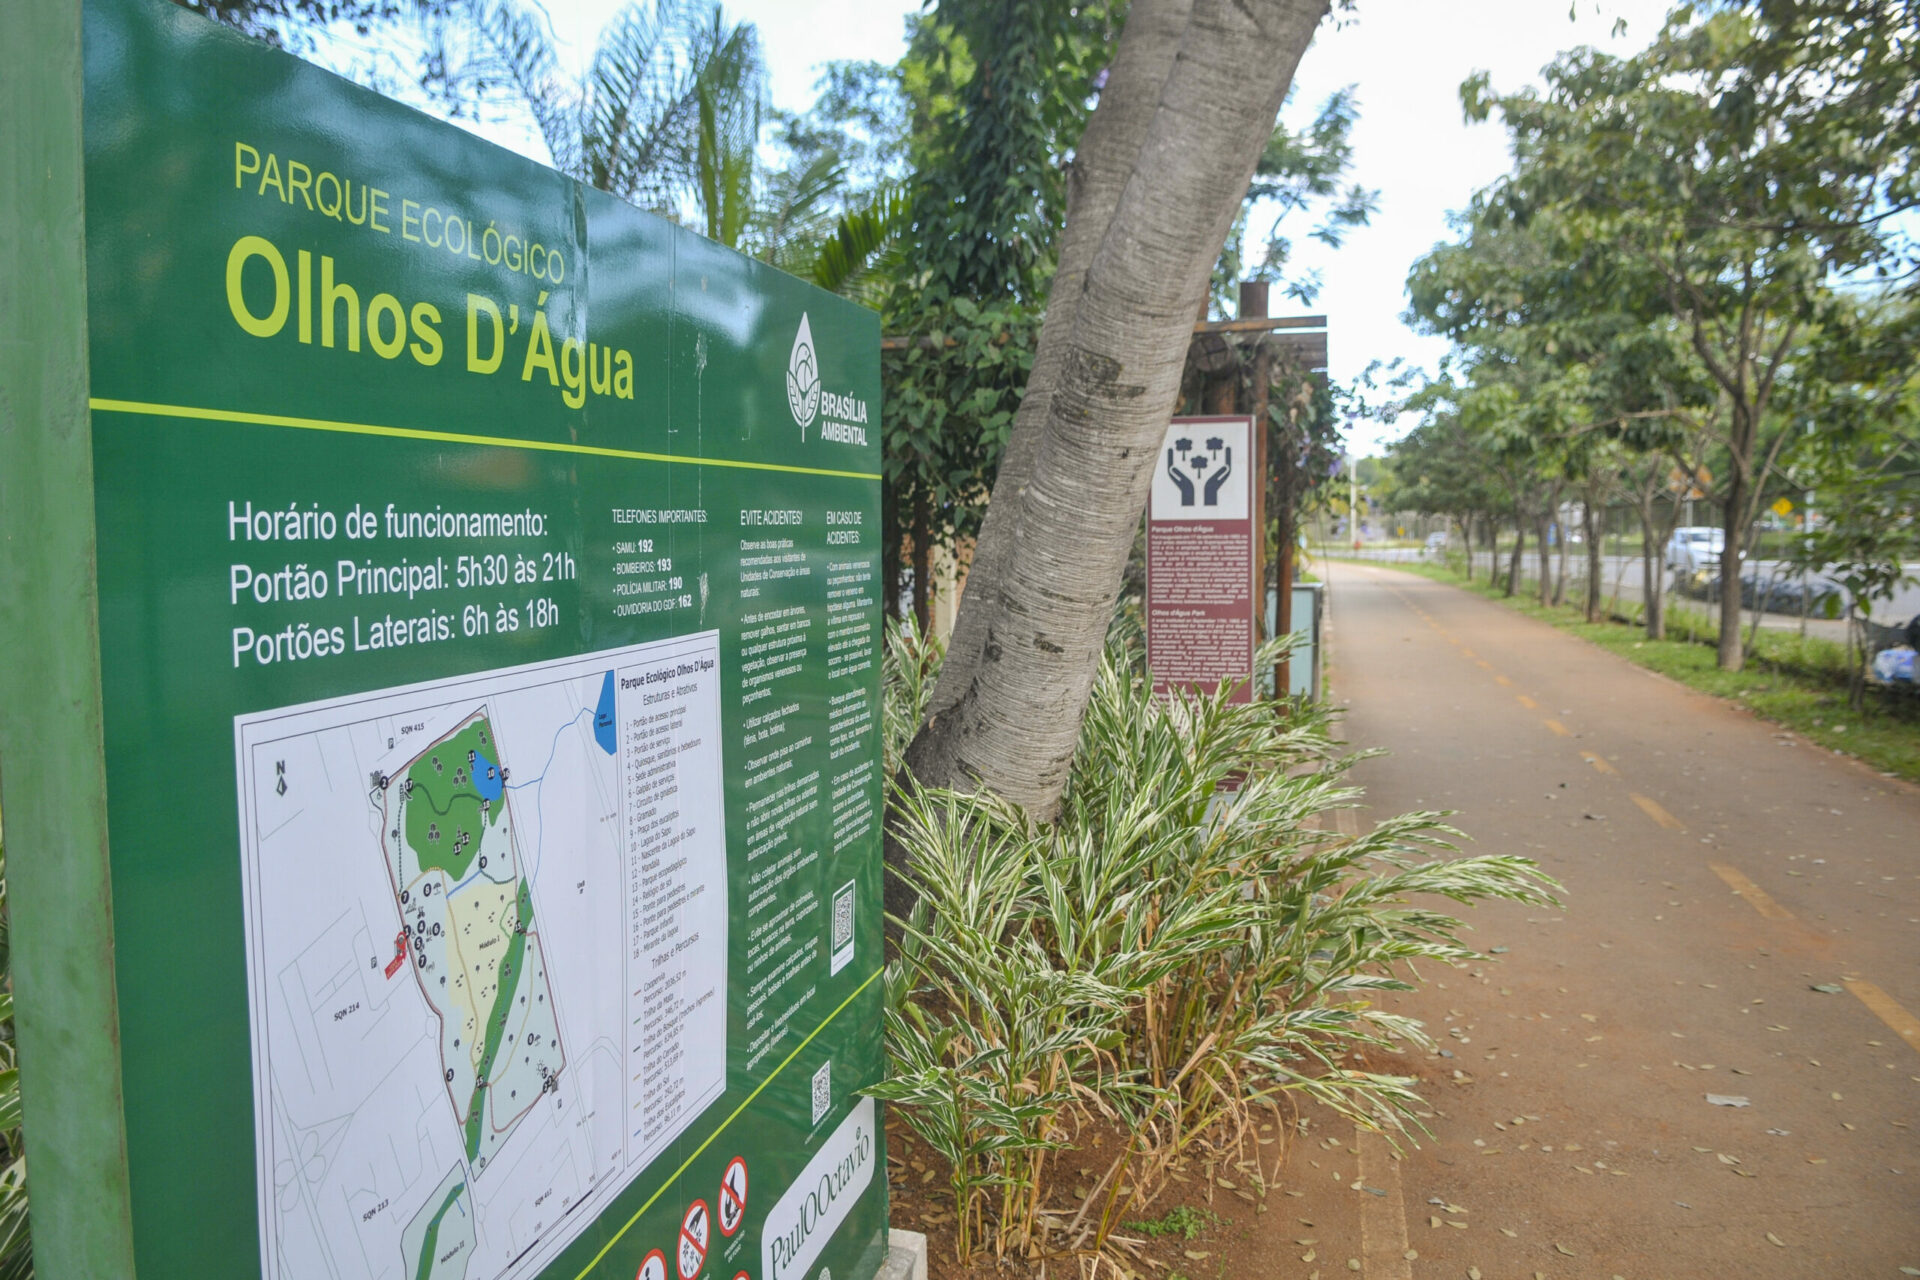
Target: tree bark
(1595,531)
(1013,725)
(1543,547)
(922,564)
(1519,546)
(890,547)
(1109,148)
(1732,654)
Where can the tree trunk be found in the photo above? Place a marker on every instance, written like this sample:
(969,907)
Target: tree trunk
(1519,546)
(1596,570)
(1542,527)
(1466,536)
(1109,149)
(1013,723)
(1653,588)
(1732,655)
(922,564)
(891,536)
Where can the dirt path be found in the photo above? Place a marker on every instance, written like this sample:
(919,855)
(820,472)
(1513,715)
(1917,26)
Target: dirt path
(1718,873)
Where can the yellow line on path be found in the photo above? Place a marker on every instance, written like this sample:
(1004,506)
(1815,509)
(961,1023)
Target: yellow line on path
(1468,652)
(99,405)
(1887,1009)
(1752,892)
(1383,1219)
(1502,680)
(1652,809)
(1483,662)
(1599,763)
(1558,728)
(1526,702)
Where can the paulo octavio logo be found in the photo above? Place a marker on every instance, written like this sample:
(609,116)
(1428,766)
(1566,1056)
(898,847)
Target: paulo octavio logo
(843,417)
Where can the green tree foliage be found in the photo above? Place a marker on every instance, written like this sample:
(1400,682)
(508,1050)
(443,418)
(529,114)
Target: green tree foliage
(293,24)
(1296,173)
(1732,177)
(1862,466)
(989,171)
(672,95)
(996,93)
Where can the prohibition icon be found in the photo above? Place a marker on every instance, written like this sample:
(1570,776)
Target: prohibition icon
(695,1230)
(732,1200)
(652,1267)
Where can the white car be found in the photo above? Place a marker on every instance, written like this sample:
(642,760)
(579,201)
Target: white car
(1695,547)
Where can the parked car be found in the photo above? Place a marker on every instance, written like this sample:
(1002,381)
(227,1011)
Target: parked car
(1695,547)
(1819,597)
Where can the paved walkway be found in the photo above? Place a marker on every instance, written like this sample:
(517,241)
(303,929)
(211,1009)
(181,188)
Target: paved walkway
(1742,920)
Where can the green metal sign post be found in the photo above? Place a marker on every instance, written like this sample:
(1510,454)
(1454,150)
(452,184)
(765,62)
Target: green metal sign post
(440,721)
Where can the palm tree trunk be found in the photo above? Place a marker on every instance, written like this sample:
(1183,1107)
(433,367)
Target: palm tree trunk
(1108,149)
(1015,722)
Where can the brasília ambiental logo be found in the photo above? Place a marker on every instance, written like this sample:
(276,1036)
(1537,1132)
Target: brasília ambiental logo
(803,377)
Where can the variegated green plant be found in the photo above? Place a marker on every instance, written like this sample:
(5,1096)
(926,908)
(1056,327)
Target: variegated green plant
(16,1242)
(1190,940)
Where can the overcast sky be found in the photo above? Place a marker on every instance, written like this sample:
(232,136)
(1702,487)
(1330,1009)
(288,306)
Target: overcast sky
(1407,59)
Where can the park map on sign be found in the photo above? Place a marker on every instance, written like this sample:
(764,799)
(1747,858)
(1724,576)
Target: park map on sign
(460,1044)
(470,933)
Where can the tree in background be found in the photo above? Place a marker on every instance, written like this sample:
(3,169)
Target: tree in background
(672,96)
(1297,172)
(295,24)
(1861,469)
(1757,155)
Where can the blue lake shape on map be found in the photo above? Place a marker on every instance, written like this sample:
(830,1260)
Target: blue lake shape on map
(603,716)
(486,778)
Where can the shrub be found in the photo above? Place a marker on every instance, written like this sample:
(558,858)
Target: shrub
(1169,955)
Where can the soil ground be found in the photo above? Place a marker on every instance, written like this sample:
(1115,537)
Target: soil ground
(1704,1066)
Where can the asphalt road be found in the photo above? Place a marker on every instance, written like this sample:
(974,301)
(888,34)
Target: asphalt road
(1620,576)
(1718,873)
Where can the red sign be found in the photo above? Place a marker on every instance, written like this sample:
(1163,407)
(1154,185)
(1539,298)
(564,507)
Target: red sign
(1200,557)
(652,1267)
(695,1231)
(399,954)
(733,1196)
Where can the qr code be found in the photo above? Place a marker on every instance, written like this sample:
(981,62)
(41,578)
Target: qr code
(843,915)
(823,1091)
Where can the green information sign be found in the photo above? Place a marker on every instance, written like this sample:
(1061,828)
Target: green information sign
(489,674)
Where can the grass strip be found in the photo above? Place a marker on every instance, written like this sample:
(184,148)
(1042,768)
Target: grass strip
(1798,683)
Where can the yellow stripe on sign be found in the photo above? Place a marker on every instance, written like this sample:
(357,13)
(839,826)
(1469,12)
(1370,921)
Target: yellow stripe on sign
(1752,892)
(1887,1009)
(1598,762)
(452,437)
(1526,702)
(1558,728)
(1652,809)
